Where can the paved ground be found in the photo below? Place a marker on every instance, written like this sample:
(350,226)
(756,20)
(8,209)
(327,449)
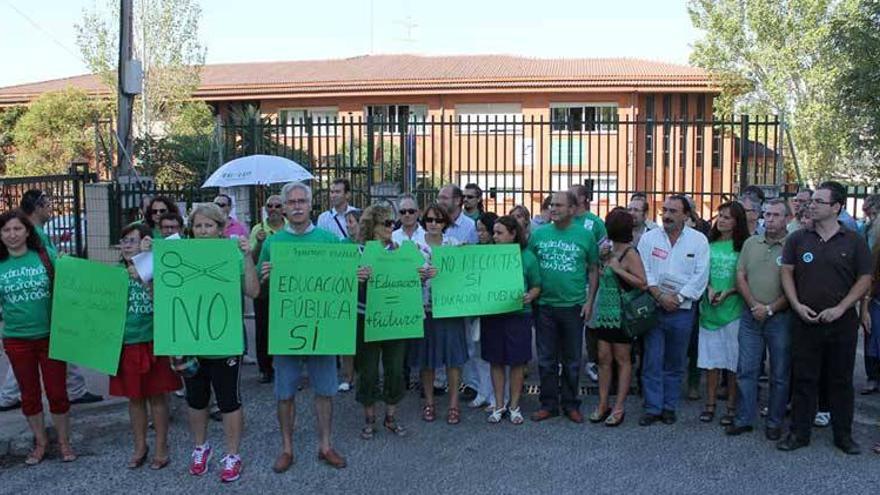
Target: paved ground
(554,456)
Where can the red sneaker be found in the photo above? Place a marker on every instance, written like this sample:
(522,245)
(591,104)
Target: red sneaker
(231,468)
(200,458)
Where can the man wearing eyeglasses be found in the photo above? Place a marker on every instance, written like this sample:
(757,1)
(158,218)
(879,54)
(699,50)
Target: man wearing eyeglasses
(333,220)
(638,209)
(322,369)
(410,229)
(825,272)
(473,201)
(234,229)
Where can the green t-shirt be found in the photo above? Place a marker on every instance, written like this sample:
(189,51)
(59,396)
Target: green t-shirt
(315,236)
(47,243)
(139,319)
(563,256)
(531,275)
(722,276)
(593,224)
(26,296)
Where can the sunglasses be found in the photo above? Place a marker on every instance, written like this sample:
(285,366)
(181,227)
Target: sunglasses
(409,211)
(389,223)
(273,205)
(222,205)
(158,211)
(469,196)
(433,220)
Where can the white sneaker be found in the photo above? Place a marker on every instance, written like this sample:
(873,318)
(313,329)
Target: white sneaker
(479,401)
(248,360)
(823,419)
(344,387)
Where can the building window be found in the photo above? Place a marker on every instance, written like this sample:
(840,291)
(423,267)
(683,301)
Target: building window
(584,117)
(295,120)
(649,131)
(489,118)
(396,118)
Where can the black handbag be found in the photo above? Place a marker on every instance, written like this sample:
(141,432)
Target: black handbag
(638,310)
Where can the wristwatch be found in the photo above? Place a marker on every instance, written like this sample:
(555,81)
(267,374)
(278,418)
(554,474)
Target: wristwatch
(769,310)
(680,298)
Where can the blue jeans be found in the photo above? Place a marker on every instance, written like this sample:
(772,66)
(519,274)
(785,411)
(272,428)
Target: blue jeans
(666,348)
(559,338)
(773,334)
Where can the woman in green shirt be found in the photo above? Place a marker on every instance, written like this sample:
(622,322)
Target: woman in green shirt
(720,309)
(26,273)
(142,376)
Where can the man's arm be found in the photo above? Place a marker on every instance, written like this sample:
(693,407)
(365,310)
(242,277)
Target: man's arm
(697,282)
(855,294)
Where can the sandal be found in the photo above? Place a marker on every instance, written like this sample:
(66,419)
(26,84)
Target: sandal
(369,431)
(615,418)
(453,416)
(37,455)
(516,416)
(137,462)
(728,418)
(428,413)
(597,417)
(496,415)
(68,455)
(393,426)
(708,413)
(157,464)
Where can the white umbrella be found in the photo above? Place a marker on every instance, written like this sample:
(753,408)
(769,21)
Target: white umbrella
(257,170)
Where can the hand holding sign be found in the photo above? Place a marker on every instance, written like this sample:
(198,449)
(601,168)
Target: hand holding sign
(477,280)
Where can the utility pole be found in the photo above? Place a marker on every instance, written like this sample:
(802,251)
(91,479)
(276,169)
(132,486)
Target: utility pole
(126,96)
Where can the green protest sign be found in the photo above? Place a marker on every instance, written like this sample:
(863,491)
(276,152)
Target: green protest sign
(197,298)
(476,280)
(394,293)
(89,304)
(313,298)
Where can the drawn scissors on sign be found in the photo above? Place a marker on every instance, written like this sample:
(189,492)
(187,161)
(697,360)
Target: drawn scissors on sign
(175,279)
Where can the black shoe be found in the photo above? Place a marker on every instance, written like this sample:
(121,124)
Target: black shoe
(734,430)
(87,398)
(848,446)
(266,378)
(440,391)
(468,394)
(14,405)
(648,419)
(791,442)
(773,434)
(668,417)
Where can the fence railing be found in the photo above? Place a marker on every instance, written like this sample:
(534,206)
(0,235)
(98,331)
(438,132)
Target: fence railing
(521,160)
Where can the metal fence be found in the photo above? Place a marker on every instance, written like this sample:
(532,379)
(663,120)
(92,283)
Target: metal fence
(126,201)
(67,227)
(518,160)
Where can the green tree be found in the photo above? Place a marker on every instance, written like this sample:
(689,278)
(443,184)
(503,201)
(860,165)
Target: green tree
(166,41)
(773,56)
(57,128)
(8,119)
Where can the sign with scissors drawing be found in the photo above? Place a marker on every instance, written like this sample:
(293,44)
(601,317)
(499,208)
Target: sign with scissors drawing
(197,289)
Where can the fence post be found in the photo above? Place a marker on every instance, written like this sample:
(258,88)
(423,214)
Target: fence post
(743,152)
(370,154)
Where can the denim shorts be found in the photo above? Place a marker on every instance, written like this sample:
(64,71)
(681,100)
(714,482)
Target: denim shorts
(322,375)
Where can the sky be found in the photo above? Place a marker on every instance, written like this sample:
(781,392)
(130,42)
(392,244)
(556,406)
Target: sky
(38,39)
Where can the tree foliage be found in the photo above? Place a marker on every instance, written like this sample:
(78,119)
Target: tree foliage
(8,119)
(166,41)
(777,56)
(57,128)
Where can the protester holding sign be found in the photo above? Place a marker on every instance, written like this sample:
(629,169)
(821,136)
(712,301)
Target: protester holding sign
(567,254)
(222,373)
(444,344)
(322,368)
(142,377)
(623,272)
(26,273)
(273,223)
(376,224)
(506,339)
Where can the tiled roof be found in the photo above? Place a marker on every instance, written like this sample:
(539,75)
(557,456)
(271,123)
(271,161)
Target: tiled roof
(410,73)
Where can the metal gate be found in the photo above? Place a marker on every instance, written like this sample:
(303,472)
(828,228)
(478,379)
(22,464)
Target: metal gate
(67,228)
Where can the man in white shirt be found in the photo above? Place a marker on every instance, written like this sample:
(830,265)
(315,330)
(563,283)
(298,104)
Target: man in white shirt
(410,230)
(461,228)
(676,260)
(333,220)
